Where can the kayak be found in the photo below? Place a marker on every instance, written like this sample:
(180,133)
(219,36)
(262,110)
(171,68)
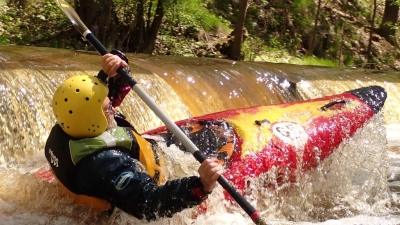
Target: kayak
(277,140)
(274,142)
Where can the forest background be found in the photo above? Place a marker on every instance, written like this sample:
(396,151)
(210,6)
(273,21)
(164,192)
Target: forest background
(354,33)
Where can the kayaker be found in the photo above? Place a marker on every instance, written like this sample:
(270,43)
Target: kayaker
(99,157)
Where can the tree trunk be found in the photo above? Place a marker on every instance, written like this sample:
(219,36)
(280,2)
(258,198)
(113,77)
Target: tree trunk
(312,43)
(371,32)
(292,30)
(341,44)
(235,49)
(155,27)
(139,30)
(99,17)
(389,19)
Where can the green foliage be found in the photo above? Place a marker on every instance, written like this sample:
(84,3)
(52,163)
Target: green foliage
(7,24)
(392,26)
(300,6)
(38,22)
(303,11)
(253,47)
(173,46)
(222,8)
(278,55)
(309,60)
(279,31)
(385,59)
(195,13)
(275,55)
(126,11)
(348,60)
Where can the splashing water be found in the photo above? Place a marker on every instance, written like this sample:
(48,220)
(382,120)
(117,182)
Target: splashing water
(352,181)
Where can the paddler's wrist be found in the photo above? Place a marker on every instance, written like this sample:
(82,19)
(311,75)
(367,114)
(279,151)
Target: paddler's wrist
(197,189)
(206,191)
(102,76)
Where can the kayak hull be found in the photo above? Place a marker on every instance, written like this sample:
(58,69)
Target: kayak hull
(291,137)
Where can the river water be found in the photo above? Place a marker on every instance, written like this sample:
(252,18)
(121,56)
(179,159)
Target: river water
(358,184)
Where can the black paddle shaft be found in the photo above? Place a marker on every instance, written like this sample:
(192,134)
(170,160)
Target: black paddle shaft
(249,209)
(102,50)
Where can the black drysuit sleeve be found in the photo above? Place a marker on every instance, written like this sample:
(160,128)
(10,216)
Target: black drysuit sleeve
(114,176)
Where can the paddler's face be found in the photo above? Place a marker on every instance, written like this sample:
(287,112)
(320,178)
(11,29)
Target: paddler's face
(109,112)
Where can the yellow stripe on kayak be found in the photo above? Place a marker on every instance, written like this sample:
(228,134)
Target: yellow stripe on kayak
(256,137)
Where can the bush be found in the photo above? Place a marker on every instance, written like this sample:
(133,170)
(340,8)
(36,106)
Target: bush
(195,13)
(39,22)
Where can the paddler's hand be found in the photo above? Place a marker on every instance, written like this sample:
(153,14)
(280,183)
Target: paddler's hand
(110,64)
(209,171)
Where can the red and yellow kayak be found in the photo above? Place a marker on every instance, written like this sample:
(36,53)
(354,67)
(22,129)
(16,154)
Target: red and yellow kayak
(280,139)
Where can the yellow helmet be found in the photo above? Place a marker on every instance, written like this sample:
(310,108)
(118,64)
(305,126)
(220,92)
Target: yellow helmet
(77,106)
